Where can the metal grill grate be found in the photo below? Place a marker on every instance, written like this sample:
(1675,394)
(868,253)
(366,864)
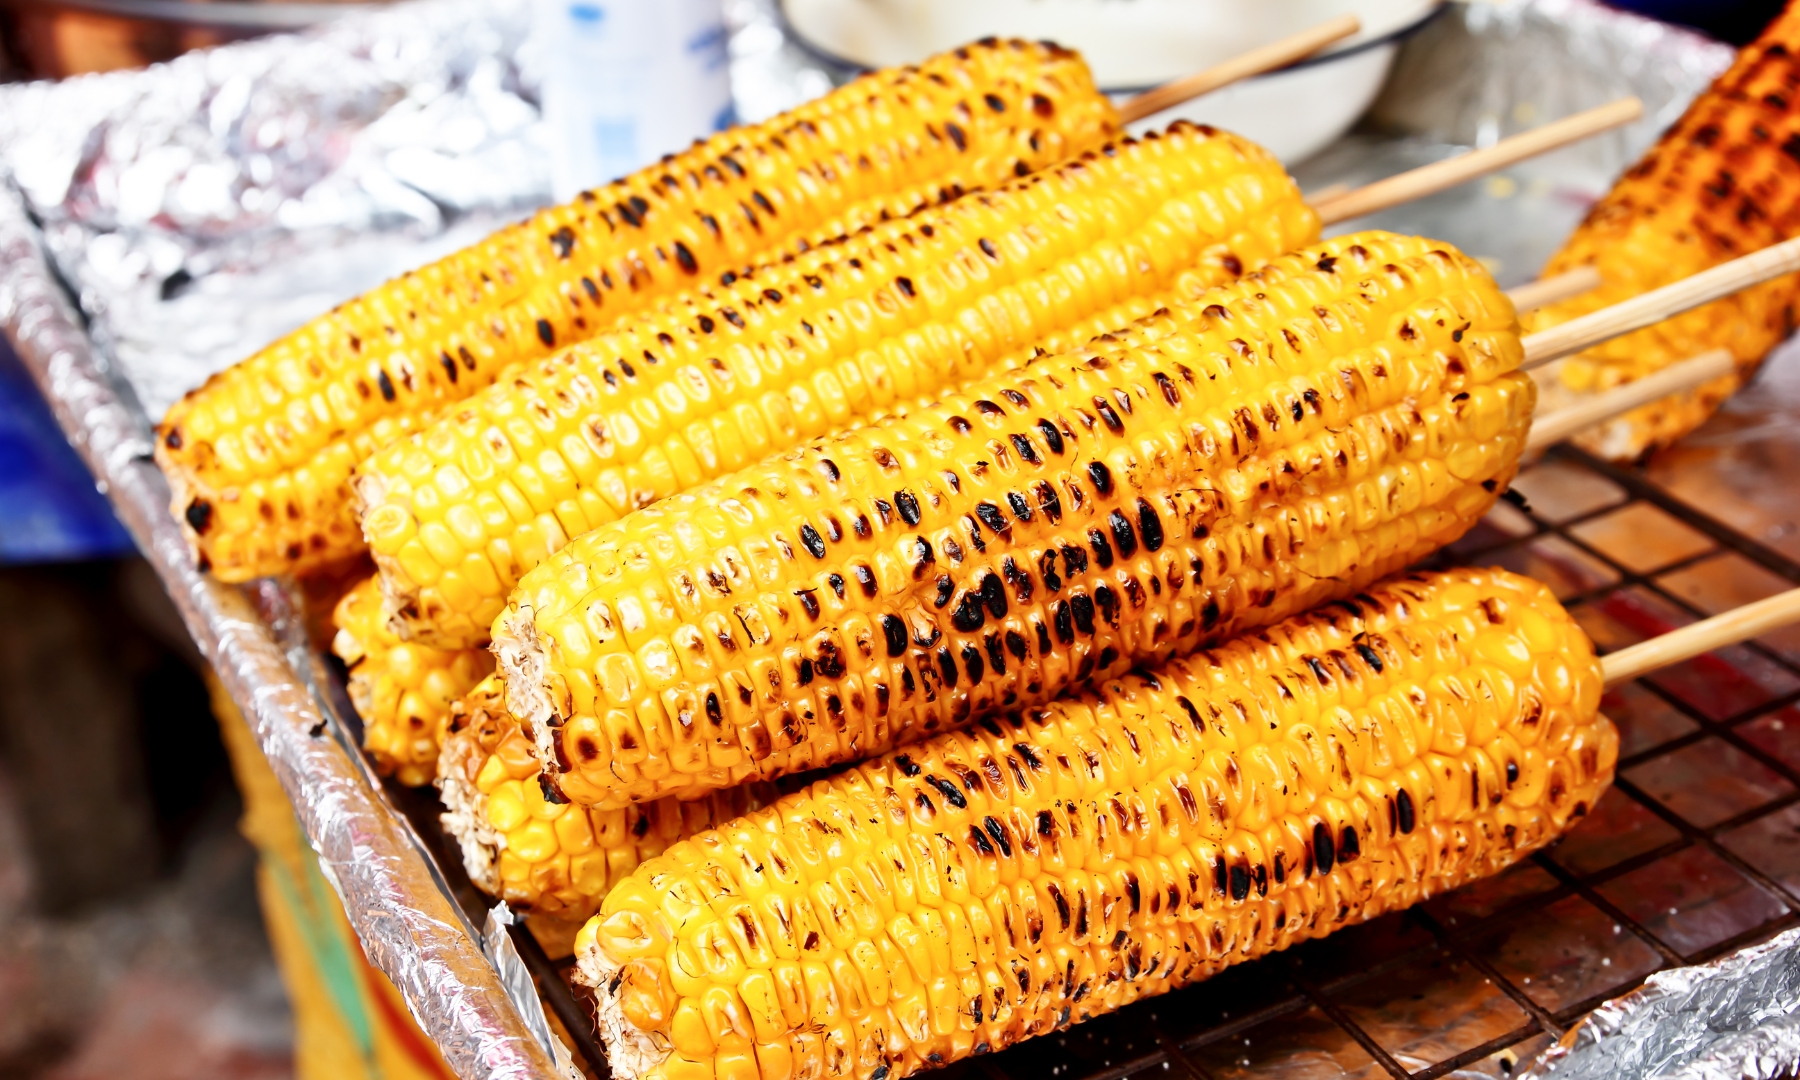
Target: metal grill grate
(1694,852)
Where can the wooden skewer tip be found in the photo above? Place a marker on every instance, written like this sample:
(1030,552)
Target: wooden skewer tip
(1258,61)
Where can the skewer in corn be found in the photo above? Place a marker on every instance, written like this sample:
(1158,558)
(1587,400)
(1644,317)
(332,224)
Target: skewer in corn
(457,514)
(259,458)
(1059,862)
(1593,409)
(1721,181)
(1271,57)
(1658,305)
(1278,444)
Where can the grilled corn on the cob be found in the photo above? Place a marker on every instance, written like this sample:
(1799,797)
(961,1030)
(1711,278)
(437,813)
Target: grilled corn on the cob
(552,860)
(1298,434)
(456,514)
(1061,862)
(260,457)
(1722,182)
(402,690)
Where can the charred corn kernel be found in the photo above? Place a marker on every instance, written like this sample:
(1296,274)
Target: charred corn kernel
(402,690)
(793,351)
(259,459)
(543,855)
(1279,443)
(1069,859)
(1720,183)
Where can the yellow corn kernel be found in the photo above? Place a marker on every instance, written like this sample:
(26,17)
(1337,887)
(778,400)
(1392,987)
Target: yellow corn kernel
(259,457)
(1120,766)
(1717,185)
(1083,515)
(913,306)
(402,690)
(550,858)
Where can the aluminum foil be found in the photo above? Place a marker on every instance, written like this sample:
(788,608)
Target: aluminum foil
(1737,1018)
(497,942)
(204,208)
(198,209)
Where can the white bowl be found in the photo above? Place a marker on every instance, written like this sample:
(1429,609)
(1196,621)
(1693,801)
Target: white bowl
(1132,45)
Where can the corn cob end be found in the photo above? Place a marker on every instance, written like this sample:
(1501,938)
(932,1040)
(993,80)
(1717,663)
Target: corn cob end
(465,806)
(404,692)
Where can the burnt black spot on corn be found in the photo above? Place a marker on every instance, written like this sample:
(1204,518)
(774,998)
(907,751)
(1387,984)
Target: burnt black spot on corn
(1238,535)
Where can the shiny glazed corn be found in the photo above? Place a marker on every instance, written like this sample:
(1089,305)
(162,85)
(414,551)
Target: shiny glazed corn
(1722,182)
(457,514)
(402,690)
(551,860)
(1059,862)
(1289,439)
(259,458)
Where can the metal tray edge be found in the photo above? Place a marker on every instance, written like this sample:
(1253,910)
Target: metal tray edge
(408,927)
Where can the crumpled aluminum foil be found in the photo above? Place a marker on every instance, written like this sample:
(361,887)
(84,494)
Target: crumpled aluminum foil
(203,207)
(504,955)
(1737,1018)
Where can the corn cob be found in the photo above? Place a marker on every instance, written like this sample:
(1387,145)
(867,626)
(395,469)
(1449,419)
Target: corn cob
(259,458)
(1064,861)
(456,515)
(402,690)
(1302,432)
(1722,182)
(552,860)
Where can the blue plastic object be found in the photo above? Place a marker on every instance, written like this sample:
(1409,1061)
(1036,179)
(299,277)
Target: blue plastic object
(50,510)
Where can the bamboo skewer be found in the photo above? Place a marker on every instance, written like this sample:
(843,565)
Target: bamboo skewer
(1734,626)
(1659,304)
(1436,177)
(1559,425)
(1553,290)
(1270,57)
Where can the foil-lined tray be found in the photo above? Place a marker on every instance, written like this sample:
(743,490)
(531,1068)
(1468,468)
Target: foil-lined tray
(158,225)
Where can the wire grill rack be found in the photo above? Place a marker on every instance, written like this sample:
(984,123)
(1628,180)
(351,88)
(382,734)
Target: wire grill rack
(1692,854)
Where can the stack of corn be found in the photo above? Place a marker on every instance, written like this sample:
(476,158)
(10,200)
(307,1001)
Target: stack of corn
(1039,512)
(1279,443)
(1722,182)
